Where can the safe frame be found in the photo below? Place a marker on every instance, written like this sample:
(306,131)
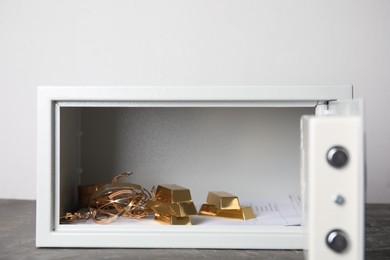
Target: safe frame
(337,119)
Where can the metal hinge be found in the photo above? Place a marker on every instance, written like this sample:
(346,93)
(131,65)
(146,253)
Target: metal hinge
(322,108)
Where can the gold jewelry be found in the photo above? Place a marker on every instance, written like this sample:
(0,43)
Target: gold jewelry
(77,217)
(106,203)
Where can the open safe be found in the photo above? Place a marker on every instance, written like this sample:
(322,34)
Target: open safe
(258,142)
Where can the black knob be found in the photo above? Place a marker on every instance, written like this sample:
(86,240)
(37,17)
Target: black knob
(337,156)
(337,240)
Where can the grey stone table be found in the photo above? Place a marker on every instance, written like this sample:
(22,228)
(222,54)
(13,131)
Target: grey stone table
(17,240)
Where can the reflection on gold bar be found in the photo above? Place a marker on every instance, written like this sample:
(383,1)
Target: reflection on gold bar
(208,210)
(180,209)
(244,213)
(172,193)
(172,220)
(223,200)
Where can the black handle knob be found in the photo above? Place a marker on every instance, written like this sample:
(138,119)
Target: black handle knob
(337,240)
(337,156)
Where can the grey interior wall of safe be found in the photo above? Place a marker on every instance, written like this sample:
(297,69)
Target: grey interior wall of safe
(250,152)
(70,155)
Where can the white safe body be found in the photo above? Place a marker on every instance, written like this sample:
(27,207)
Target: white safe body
(253,141)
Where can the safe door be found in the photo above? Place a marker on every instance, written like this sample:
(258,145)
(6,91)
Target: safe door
(332,152)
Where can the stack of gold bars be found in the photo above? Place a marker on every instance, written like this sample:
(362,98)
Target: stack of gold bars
(172,204)
(224,204)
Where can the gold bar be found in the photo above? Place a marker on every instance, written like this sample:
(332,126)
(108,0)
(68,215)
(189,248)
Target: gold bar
(172,193)
(223,200)
(172,220)
(180,209)
(187,208)
(243,213)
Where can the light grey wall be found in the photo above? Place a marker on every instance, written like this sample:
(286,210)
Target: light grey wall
(179,42)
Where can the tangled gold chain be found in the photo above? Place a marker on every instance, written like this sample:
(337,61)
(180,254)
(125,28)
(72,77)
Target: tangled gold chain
(112,201)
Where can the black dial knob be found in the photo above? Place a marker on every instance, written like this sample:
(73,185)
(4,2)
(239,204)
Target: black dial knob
(337,240)
(337,156)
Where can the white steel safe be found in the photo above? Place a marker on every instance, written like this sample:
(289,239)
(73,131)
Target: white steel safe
(304,143)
